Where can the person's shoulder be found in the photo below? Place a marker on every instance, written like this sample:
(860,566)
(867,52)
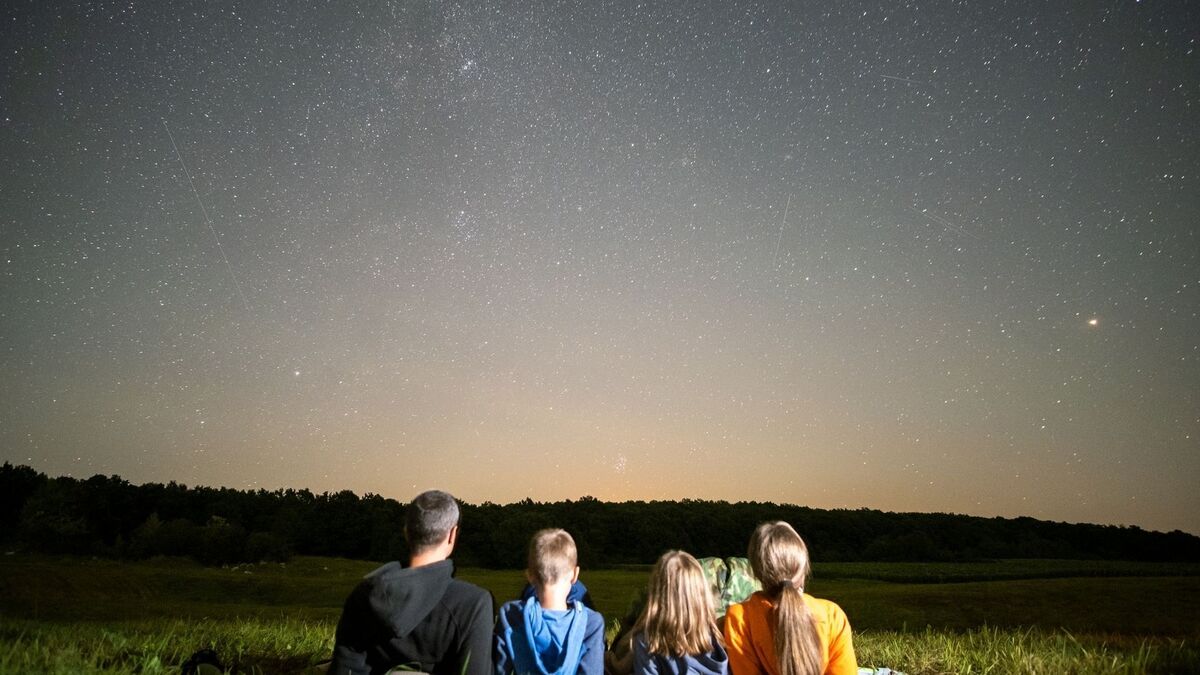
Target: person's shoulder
(370,581)
(466,586)
(595,623)
(381,574)
(462,596)
(758,601)
(509,617)
(737,609)
(594,619)
(824,609)
(512,608)
(466,589)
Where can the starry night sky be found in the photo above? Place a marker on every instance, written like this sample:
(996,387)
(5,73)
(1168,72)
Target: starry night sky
(938,256)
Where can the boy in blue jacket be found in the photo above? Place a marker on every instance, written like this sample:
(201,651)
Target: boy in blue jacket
(544,634)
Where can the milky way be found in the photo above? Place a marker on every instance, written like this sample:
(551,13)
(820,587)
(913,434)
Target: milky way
(934,256)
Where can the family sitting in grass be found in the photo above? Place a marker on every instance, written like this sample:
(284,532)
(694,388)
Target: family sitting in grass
(420,618)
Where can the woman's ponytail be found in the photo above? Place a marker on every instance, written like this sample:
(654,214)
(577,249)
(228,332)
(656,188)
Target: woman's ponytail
(796,643)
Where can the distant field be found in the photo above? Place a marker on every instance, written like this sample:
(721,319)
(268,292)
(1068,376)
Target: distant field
(81,615)
(994,570)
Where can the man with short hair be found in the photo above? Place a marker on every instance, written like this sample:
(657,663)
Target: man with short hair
(417,617)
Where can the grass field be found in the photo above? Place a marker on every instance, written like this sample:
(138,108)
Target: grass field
(97,616)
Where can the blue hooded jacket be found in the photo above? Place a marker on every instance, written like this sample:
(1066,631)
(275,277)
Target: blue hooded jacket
(534,641)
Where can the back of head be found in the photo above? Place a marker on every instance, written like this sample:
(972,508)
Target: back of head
(678,618)
(430,517)
(779,559)
(552,556)
(778,556)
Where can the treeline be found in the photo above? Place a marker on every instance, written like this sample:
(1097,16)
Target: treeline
(108,516)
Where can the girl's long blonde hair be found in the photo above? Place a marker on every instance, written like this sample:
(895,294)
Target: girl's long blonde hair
(678,618)
(779,559)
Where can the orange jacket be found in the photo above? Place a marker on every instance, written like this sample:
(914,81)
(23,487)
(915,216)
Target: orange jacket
(750,637)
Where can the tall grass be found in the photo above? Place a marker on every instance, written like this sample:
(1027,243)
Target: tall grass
(248,645)
(284,646)
(1028,650)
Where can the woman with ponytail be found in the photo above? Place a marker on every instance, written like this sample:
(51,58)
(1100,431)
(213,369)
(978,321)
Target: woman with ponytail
(781,630)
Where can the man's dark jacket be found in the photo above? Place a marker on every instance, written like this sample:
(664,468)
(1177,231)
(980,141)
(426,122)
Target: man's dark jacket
(418,618)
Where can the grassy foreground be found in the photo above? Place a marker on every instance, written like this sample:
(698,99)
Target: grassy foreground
(94,616)
(284,645)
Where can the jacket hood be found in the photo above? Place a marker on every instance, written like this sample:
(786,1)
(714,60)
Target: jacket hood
(403,596)
(715,662)
(554,639)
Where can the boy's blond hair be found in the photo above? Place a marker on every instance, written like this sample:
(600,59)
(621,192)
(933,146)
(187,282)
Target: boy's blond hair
(552,555)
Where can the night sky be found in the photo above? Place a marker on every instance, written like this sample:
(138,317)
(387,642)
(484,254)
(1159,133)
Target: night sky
(938,256)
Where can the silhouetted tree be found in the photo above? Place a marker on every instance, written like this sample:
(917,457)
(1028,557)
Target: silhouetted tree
(109,516)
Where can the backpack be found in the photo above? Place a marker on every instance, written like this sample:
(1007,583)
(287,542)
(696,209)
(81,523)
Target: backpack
(730,581)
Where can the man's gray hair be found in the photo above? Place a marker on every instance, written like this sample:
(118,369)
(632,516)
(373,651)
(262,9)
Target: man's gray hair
(429,519)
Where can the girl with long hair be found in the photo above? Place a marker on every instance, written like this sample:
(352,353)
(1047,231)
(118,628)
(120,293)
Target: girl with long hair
(677,632)
(781,630)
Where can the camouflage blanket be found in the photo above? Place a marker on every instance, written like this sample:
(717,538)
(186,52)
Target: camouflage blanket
(730,581)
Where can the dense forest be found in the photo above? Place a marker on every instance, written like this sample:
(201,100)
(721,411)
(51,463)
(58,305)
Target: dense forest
(108,516)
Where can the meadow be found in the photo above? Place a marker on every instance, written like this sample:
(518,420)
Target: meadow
(77,615)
